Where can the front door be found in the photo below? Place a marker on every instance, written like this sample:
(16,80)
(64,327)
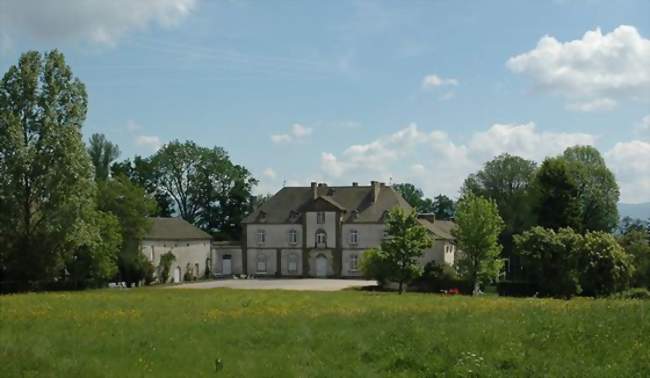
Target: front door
(321,266)
(226,267)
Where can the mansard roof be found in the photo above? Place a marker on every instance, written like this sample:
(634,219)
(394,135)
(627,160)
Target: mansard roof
(174,229)
(346,199)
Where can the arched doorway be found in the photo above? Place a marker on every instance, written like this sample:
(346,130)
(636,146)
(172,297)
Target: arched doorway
(321,266)
(177,275)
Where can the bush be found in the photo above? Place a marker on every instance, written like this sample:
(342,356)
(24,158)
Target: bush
(441,277)
(374,266)
(604,266)
(550,260)
(516,289)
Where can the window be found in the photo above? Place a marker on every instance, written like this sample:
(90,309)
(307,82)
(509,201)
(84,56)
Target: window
(292,263)
(354,263)
(261,236)
(320,217)
(354,237)
(261,263)
(293,237)
(152,254)
(321,238)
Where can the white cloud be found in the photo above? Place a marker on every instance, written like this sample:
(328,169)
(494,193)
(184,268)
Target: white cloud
(433,161)
(523,140)
(593,72)
(629,161)
(149,141)
(433,80)
(599,104)
(270,173)
(297,133)
(95,21)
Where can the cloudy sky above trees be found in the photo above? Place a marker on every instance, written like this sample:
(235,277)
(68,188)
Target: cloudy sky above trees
(348,91)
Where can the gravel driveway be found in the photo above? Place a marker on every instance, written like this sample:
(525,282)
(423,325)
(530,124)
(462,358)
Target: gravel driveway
(314,284)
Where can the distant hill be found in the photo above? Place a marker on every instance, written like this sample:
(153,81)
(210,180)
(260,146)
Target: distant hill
(634,210)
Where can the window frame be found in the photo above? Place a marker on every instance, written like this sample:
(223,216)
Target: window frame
(261,259)
(261,236)
(354,237)
(317,236)
(354,263)
(320,217)
(292,237)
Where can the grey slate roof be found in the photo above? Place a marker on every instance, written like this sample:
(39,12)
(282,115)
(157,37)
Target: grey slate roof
(278,209)
(440,228)
(174,229)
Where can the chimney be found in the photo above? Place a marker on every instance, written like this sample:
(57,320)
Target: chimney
(314,190)
(375,190)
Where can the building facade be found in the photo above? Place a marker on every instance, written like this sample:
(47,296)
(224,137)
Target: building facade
(322,231)
(190,246)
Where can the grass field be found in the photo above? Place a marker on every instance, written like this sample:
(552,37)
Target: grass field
(154,332)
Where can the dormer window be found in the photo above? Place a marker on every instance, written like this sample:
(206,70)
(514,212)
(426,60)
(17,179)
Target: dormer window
(355,214)
(354,237)
(320,217)
(293,215)
(261,236)
(293,237)
(262,216)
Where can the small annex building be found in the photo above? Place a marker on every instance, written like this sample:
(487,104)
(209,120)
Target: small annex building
(191,247)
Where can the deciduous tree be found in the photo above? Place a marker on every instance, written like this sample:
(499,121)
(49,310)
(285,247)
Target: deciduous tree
(46,180)
(102,153)
(477,233)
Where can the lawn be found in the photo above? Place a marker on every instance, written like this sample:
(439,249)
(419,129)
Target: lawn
(231,333)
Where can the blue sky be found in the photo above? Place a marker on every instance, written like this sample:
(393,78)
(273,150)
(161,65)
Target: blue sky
(344,91)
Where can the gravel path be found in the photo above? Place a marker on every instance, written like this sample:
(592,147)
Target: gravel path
(314,284)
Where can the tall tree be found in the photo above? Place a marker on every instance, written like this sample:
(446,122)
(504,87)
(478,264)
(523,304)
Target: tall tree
(415,197)
(477,234)
(102,153)
(507,180)
(46,181)
(443,207)
(141,172)
(131,207)
(405,242)
(556,196)
(206,187)
(598,191)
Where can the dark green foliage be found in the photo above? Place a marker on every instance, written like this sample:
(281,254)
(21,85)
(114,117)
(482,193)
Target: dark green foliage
(102,154)
(557,202)
(415,197)
(508,181)
(551,260)
(375,266)
(438,278)
(93,265)
(636,242)
(604,266)
(141,172)
(443,207)
(46,180)
(598,191)
(129,203)
(517,289)
(477,233)
(165,266)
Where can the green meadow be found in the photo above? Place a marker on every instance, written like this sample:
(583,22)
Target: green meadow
(154,332)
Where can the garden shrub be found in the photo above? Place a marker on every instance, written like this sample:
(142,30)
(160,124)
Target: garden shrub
(516,288)
(165,266)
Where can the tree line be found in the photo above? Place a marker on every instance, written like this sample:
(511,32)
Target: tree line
(71,215)
(551,230)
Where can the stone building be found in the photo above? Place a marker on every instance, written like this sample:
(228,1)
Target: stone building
(322,231)
(190,246)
